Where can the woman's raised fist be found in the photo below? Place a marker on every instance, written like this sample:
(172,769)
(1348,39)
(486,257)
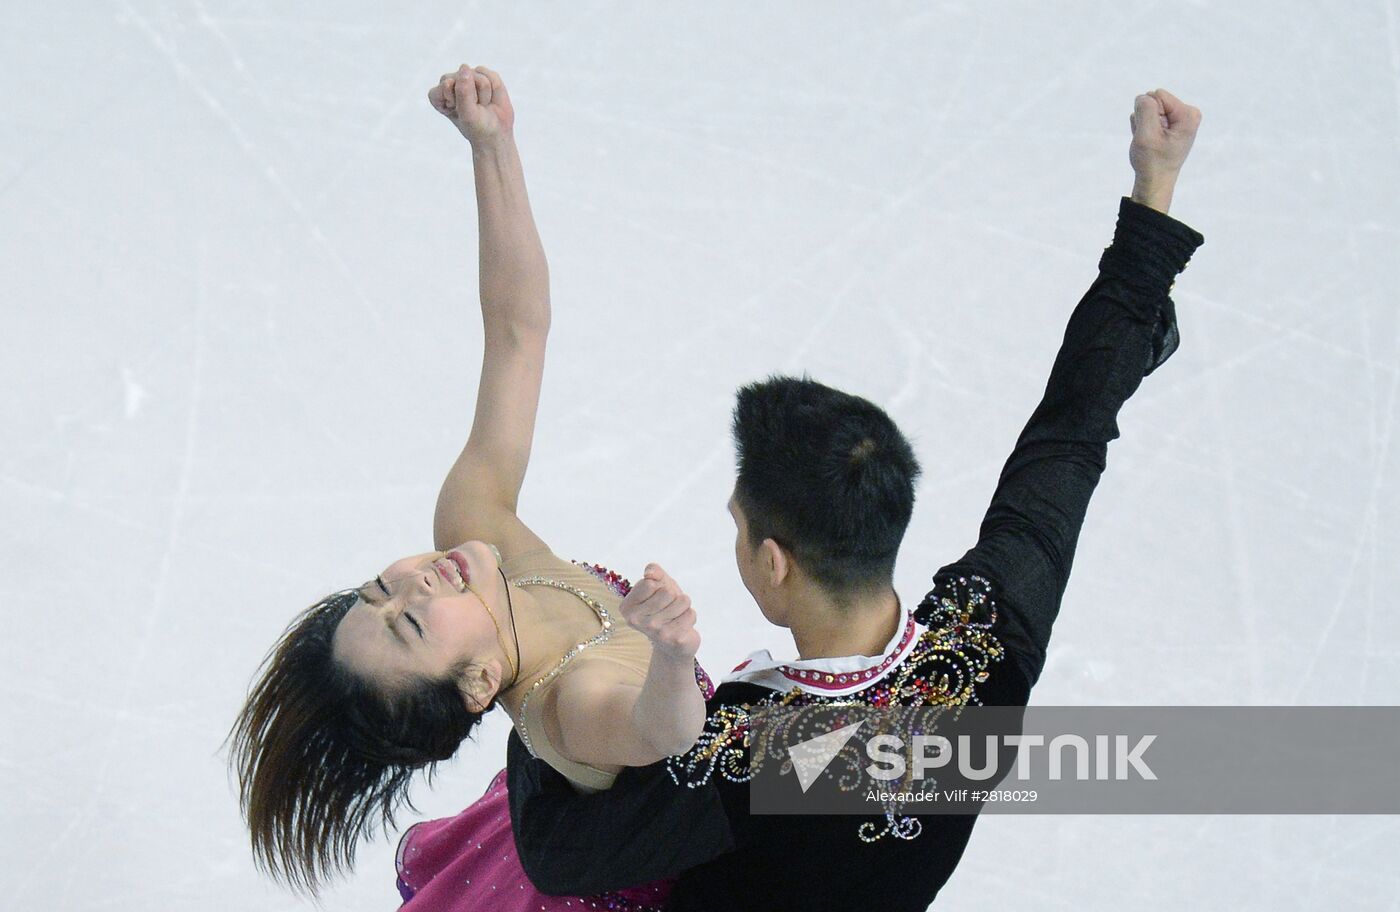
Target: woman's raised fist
(476,102)
(658,608)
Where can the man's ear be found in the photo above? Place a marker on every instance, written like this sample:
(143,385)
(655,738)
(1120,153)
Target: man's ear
(478,684)
(774,561)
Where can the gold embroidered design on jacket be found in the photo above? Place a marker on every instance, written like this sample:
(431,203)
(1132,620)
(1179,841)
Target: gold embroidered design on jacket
(943,669)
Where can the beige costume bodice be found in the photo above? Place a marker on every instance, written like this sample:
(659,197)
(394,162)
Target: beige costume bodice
(623,653)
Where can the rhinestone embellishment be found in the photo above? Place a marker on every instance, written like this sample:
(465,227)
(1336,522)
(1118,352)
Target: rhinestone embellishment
(601,636)
(955,652)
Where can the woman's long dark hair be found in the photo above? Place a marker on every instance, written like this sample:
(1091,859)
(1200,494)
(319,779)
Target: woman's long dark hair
(323,754)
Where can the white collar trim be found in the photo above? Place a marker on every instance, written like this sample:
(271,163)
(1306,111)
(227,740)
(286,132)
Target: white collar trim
(834,676)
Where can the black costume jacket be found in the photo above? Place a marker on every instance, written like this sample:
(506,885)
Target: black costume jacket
(978,637)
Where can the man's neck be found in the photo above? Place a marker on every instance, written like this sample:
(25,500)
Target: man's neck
(822,629)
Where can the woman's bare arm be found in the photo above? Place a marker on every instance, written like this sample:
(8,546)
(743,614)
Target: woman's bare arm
(480,494)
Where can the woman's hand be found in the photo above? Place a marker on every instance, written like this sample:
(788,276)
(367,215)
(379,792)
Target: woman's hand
(1164,127)
(658,608)
(476,102)
(604,722)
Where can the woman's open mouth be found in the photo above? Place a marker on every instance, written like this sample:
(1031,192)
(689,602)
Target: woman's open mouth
(459,561)
(447,569)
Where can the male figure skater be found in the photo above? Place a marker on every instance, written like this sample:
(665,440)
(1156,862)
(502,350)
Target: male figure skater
(822,499)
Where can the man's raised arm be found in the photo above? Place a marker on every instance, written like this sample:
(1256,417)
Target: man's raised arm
(1123,329)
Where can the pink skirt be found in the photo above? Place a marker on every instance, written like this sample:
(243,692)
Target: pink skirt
(468,862)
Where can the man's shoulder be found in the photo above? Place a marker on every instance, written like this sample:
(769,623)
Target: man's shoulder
(971,605)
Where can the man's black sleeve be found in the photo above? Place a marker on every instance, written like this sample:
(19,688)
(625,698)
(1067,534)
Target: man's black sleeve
(642,829)
(1123,329)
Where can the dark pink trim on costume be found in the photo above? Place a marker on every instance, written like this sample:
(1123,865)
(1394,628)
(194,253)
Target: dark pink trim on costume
(707,687)
(610,578)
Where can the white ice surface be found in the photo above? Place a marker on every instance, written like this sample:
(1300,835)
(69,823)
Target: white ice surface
(239,255)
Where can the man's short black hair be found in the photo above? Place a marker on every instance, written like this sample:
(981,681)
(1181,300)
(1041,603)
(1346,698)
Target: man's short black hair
(828,476)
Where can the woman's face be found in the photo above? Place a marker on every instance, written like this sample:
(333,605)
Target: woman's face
(421,616)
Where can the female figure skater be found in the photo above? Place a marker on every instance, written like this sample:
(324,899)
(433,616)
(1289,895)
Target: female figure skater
(374,683)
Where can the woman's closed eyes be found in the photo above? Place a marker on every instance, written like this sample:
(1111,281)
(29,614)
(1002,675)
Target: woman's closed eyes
(417,627)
